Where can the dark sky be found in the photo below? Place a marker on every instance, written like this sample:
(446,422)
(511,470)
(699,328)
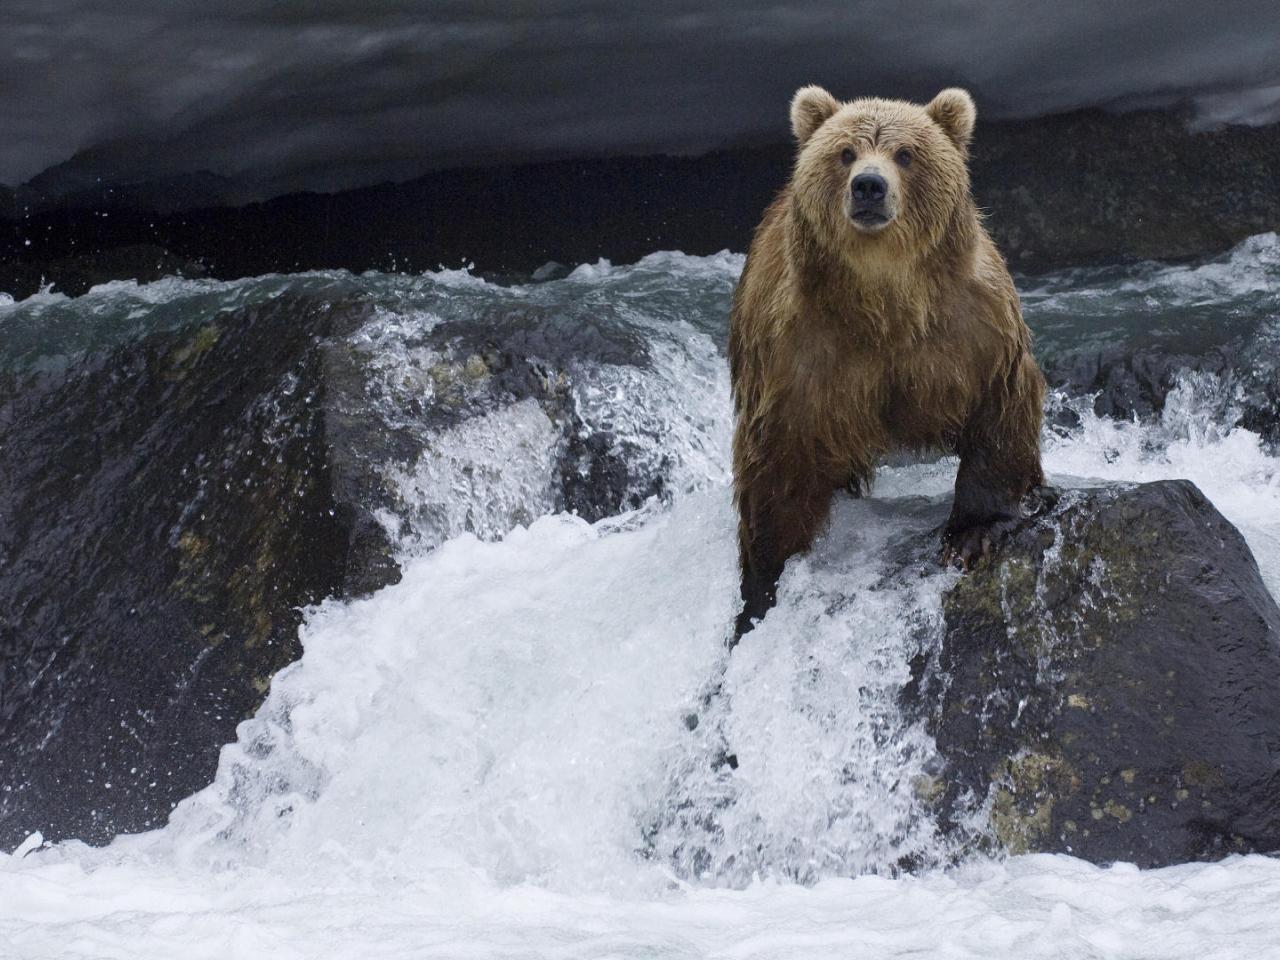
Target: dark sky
(328,95)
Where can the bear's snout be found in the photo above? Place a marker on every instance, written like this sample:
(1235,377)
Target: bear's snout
(869,194)
(869,188)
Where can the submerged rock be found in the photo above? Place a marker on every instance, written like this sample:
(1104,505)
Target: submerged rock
(1109,685)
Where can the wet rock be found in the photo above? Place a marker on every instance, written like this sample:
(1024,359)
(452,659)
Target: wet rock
(1124,383)
(1110,684)
(1107,685)
(169,506)
(1238,383)
(483,366)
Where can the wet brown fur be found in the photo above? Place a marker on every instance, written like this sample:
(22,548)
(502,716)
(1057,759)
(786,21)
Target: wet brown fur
(845,346)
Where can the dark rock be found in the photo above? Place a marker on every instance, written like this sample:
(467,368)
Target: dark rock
(536,353)
(1237,384)
(1126,384)
(1107,685)
(1111,683)
(167,508)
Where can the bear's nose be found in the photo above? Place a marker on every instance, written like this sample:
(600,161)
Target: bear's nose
(869,188)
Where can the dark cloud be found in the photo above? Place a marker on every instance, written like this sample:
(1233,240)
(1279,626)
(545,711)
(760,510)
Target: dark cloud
(327,94)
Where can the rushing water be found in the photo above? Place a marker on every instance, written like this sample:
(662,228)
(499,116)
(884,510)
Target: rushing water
(491,758)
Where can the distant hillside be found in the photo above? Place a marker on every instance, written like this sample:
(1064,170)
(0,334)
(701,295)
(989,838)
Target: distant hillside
(1082,187)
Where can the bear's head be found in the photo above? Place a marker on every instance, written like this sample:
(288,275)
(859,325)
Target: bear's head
(882,176)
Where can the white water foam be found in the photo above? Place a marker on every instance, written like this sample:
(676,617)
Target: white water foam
(1251,267)
(827,768)
(1230,464)
(488,475)
(1028,907)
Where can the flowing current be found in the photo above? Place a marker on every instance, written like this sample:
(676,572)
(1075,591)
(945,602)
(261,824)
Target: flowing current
(493,757)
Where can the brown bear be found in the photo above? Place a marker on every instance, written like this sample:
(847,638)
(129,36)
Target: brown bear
(875,314)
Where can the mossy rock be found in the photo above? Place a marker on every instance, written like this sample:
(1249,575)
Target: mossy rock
(1113,683)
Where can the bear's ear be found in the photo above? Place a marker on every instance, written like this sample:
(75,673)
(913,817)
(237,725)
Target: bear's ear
(954,112)
(810,109)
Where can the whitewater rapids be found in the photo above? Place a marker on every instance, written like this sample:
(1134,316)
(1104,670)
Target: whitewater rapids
(491,758)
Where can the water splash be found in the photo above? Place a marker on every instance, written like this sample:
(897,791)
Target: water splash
(803,764)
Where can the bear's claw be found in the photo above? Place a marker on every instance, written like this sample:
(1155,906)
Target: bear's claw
(965,548)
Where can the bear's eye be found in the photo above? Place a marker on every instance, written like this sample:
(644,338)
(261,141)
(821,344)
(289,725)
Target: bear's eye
(904,157)
(847,156)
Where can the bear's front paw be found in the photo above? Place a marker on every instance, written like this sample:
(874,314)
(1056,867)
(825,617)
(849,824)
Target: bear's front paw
(964,548)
